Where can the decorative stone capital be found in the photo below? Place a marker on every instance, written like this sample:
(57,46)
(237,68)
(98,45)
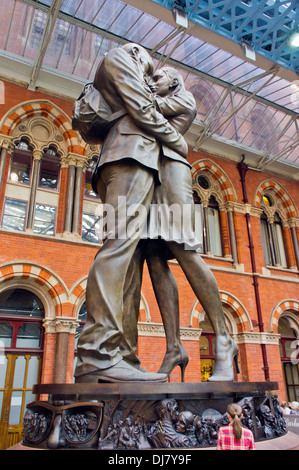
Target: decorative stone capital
(60,325)
(157,330)
(251,337)
(66,325)
(76,159)
(37,154)
(293,222)
(6,143)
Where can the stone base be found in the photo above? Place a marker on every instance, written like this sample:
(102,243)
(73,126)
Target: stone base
(146,415)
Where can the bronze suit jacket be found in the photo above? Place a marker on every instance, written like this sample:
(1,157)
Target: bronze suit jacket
(141,132)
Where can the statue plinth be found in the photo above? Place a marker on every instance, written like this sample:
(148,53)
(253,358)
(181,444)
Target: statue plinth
(147,415)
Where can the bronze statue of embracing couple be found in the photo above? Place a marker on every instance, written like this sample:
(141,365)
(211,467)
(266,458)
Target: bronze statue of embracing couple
(143,165)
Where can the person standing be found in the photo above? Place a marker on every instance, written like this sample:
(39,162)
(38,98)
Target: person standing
(235,436)
(125,178)
(172,236)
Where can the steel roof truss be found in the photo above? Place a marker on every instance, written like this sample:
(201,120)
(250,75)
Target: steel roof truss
(52,16)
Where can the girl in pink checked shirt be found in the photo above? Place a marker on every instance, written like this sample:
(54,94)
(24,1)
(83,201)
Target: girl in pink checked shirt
(234,436)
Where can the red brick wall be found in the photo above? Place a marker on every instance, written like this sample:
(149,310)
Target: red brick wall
(71,262)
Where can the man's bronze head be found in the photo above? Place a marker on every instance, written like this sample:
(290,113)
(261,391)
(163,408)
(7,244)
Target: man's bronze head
(141,56)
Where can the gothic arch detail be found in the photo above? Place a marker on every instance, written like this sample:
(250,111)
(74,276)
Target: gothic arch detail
(46,284)
(292,309)
(43,111)
(281,198)
(77,297)
(217,178)
(77,294)
(235,312)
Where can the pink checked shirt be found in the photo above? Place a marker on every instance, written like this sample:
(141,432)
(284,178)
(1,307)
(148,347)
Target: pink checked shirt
(227,441)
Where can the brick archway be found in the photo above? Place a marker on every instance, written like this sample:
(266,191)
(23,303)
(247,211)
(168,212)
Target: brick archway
(46,109)
(288,305)
(42,280)
(217,174)
(234,310)
(78,293)
(280,196)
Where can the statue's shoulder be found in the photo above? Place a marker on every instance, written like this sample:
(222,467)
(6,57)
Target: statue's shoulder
(117,55)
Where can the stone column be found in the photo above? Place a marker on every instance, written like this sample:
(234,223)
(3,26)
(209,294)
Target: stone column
(206,234)
(232,233)
(289,245)
(224,232)
(69,203)
(62,327)
(6,146)
(293,224)
(77,195)
(37,156)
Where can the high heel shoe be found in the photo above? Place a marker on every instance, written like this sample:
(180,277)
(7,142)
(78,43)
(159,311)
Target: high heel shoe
(173,359)
(227,352)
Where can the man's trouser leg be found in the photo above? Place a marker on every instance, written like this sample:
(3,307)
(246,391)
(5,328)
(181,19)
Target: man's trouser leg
(99,342)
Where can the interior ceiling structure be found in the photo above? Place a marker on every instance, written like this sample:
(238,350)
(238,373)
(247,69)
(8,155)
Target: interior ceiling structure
(246,105)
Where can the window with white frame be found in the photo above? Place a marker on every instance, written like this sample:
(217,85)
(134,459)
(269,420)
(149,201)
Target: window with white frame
(18,193)
(272,234)
(14,214)
(91,229)
(207,221)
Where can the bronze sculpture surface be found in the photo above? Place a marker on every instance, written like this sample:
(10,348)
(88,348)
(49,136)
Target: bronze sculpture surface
(143,162)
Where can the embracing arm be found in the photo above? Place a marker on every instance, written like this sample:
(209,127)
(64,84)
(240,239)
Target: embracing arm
(179,109)
(138,103)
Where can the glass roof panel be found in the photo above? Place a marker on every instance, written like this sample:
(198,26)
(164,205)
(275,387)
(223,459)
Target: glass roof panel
(125,21)
(266,25)
(20,31)
(186,48)
(86,29)
(71,6)
(108,12)
(6,15)
(59,39)
(85,10)
(141,28)
(159,32)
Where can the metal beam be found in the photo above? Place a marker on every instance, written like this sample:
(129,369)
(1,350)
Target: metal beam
(242,88)
(49,26)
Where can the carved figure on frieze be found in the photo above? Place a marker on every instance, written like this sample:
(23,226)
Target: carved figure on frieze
(75,427)
(129,434)
(268,421)
(207,431)
(281,426)
(111,437)
(163,433)
(35,426)
(186,425)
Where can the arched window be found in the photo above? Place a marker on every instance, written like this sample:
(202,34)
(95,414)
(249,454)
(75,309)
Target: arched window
(207,348)
(90,219)
(213,227)
(208,226)
(34,207)
(88,191)
(273,240)
(289,345)
(21,314)
(278,232)
(49,170)
(21,163)
(81,318)
(21,341)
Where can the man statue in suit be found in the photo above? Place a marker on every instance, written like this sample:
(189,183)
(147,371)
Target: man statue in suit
(127,171)
(172,236)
